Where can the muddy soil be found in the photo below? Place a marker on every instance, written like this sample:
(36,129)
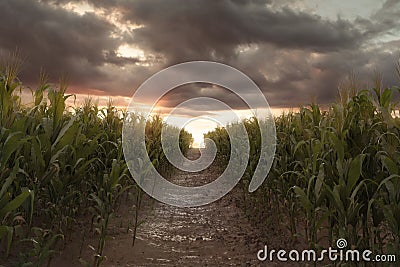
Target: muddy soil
(218,234)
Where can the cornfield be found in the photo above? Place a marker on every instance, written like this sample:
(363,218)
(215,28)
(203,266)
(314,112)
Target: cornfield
(335,173)
(59,166)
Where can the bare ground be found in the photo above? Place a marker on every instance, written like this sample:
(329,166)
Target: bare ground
(218,234)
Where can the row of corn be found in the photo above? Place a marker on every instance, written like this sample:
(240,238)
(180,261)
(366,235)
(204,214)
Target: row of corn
(335,174)
(59,166)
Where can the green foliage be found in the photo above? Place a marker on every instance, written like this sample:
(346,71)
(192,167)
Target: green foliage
(59,164)
(336,168)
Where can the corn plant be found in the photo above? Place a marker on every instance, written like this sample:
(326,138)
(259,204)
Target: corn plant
(339,165)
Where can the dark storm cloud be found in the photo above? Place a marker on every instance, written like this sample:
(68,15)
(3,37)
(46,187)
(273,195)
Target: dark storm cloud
(282,64)
(294,56)
(62,42)
(214,29)
(191,91)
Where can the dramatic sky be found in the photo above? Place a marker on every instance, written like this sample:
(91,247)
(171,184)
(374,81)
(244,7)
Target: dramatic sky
(295,50)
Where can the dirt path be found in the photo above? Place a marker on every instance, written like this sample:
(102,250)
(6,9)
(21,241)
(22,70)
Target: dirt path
(218,234)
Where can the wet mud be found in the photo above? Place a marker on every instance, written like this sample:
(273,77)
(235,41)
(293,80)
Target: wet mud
(218,234)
